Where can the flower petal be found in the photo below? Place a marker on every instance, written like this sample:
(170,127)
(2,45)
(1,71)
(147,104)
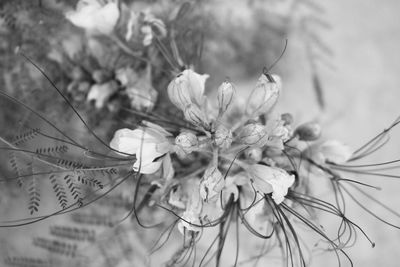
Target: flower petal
(335,151)
(147,168)
(270,179)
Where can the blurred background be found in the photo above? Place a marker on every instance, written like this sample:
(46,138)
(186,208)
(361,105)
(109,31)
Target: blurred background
(352,49)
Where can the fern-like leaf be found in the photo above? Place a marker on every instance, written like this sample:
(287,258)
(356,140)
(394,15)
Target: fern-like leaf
(89,181)
(15,165)
(73,187)
(92,219)
(25,137)
(56,246)
(33,189)
(26,262)
(54,150)
(74,233)
(59,190)
(34,196)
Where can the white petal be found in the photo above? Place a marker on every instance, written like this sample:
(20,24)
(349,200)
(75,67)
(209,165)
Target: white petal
(147,168)
(270,179)
(147,152)
(168,169)
(335,151)
(122,141)
(196,85)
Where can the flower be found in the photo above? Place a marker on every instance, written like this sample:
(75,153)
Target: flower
(101,93)
(278,133)
(264,95)
(231,186)
(192,214)
(95,17)
(187,88)
(211,184)
(149,144)
(271,180)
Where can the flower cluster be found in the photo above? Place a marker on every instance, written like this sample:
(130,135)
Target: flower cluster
(244,159)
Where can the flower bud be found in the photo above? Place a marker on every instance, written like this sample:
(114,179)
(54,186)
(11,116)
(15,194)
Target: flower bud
(253,134)
(186,143)
(287,118)
(212,184)
(226,92)
(309,131)
(264,95)
(254,154)
(194,115)
(223,137)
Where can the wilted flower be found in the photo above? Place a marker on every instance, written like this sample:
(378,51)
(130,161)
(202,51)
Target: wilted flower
(226,92)
(186,143)
(271,180)
(95,17)
(149,144)
(310,131)
(211,184)
(253,134)
(223,137)
(264,95)
(101,93)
